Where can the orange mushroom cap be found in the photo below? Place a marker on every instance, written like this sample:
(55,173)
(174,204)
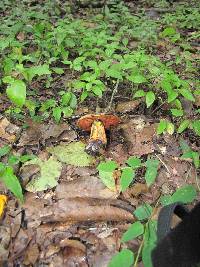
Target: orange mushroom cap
(108,121)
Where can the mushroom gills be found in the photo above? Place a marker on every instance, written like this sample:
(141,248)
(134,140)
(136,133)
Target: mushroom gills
(98,138)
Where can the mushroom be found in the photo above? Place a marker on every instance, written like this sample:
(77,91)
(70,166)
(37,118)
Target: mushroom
(96,125)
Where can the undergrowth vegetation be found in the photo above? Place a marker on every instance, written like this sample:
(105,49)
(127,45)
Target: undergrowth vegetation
(54,61)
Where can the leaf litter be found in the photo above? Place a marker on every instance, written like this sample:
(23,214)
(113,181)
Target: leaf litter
(78,219)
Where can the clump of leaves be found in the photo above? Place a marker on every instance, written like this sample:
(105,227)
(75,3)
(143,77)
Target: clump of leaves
(7,175)
(50,171)
(108,170)
(145,228)
(73,153)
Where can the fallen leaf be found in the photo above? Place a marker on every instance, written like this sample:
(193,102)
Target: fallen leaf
(50,171)
(127,106)
(37,132)
(73,153)
(139,137)
(51,250)
(8,131)
(5,237)
(85,187)
(73,243)
(31,254)
(84,210)
(177,174)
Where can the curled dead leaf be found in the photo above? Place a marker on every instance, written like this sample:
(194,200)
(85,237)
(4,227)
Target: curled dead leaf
(84,210)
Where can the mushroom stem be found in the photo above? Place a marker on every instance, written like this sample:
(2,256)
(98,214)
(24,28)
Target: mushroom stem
(98,132)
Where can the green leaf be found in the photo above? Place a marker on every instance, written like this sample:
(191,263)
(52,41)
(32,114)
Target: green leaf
(143,212)
(12,160)
(38,70)
(171,96)
(150,239)
(104,65)
(16,92)
(2,168)
(84,95)
(65,99)
(124,258)
(135,230)
(161,126)
(196,127)
(106,170)
(73,153)
(50,171)
(185,194)
(4,150)
(176,112)
(184,125)
(79,85)
(169,31)
(67,111)
(108,166)
(195,156)
(113,73)
(50,103)
(58,70)
(25,158)
(57,111)
(139,93)
(134,162)
(146,254)
(151,171)
(165,200)
(12,182)
(108,179)
(187,94)
(137,78)
(126,178)
(170,128)
(150,98)
(97,91)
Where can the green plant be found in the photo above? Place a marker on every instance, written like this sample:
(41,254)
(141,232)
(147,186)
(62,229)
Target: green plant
(145,229)
(7,171)
(109,172)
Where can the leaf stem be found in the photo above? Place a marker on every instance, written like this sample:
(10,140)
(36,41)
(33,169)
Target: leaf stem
(112,96)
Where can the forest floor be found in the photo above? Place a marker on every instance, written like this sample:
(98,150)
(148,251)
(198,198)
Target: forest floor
(59,205)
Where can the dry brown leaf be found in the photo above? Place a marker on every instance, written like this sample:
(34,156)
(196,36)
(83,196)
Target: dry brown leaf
(174,174)
(38,132)
(138,189)
(31,255)
(21,36)
(8,131)
(117,152)
(72,243)
(84,210)
(85,187)
(5,237)
(74,257)
(139,137)
(127,106)
(51,250)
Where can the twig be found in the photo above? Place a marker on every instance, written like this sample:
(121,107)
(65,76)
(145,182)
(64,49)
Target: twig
(112,96)
(164,164)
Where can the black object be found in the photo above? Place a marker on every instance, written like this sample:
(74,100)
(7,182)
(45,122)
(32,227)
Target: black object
(180,246)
